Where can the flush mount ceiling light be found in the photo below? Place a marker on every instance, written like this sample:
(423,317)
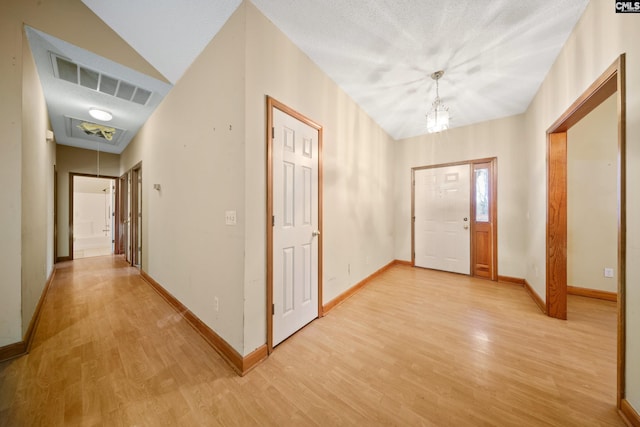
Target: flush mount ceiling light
(438,116)
(99,114)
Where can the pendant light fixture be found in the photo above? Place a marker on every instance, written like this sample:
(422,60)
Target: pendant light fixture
(438,116)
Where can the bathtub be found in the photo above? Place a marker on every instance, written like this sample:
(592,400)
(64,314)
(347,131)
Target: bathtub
(88,246)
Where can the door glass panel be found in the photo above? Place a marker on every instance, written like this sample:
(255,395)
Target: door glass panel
(482,194)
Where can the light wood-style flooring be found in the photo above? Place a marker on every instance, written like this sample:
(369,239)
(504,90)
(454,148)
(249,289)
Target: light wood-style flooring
(414,347)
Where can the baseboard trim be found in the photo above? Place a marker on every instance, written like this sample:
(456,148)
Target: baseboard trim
(358,286)
(402,262)
(629,414)
(240,364)
(534,295)
(28,337)
(63,258)
(11,351)
(512,280)
(592,293)
(23,347)
(254,358)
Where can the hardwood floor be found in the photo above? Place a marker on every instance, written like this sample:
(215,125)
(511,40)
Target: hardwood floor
(414,347)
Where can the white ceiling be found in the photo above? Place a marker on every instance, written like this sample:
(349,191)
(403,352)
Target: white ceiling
(495,53)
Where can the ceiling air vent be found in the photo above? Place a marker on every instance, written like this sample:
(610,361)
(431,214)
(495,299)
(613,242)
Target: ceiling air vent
(77,74)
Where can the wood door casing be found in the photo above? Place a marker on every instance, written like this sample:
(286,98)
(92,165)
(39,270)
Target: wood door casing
(613,80)
(483,233)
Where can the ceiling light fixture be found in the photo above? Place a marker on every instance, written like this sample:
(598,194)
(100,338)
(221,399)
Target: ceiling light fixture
(99,114)
(438,116)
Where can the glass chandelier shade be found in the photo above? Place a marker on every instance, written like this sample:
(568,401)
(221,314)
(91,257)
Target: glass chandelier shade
(438,116)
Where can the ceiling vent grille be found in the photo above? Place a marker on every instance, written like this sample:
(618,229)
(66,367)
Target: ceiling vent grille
(77,74)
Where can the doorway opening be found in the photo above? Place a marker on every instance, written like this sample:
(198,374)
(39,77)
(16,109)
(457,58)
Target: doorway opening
(611,82)
(93,216)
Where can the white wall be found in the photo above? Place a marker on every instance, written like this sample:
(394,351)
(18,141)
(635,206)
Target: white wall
(357,162)
(498,138)
(599,38)
(592,199)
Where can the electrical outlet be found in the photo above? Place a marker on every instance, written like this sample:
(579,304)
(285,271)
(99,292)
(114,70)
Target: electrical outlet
(216,303)
(608,272)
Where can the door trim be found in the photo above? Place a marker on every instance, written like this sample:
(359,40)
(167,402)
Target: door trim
(135,199)
(493,208)
(271,105)
(612,81)
(493,218)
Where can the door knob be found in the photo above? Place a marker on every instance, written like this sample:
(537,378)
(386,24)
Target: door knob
(466,226)
(316,233)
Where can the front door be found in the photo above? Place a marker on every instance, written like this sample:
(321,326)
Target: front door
(442,218)
(295,222)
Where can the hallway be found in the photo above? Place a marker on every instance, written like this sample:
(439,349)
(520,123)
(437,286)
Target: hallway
(414,347)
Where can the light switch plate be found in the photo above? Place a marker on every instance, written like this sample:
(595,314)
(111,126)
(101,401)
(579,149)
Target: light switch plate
(608,272)
(230,218)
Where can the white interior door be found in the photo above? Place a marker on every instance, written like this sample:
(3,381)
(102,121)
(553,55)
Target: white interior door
(295,222)
(442,218)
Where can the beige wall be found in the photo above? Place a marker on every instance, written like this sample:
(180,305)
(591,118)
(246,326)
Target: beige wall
(592,199)
(38,159)
(498,138)
(10,174)
(599,38)
(194,146)
(77,160)
(69,20)
(216,147)
(358,234)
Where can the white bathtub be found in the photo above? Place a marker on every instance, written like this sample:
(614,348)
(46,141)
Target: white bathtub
(88,246)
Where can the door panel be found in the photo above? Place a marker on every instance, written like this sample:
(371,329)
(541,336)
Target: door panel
(295,225)
(442,212)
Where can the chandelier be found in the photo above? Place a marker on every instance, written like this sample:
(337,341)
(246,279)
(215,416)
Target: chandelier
(438,116)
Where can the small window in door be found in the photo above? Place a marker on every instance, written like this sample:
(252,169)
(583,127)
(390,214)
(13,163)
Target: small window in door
(482,194)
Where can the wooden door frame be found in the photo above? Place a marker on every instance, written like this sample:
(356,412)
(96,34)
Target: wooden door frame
(72,175)
(271,105)
(493,208)
(493,216)
(612,81)
(135,199)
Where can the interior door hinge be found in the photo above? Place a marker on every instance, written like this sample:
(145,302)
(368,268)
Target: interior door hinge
(273,220)
(273,309)
(273,133)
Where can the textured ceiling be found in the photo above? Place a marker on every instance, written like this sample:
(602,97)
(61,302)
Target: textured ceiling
(495,53)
